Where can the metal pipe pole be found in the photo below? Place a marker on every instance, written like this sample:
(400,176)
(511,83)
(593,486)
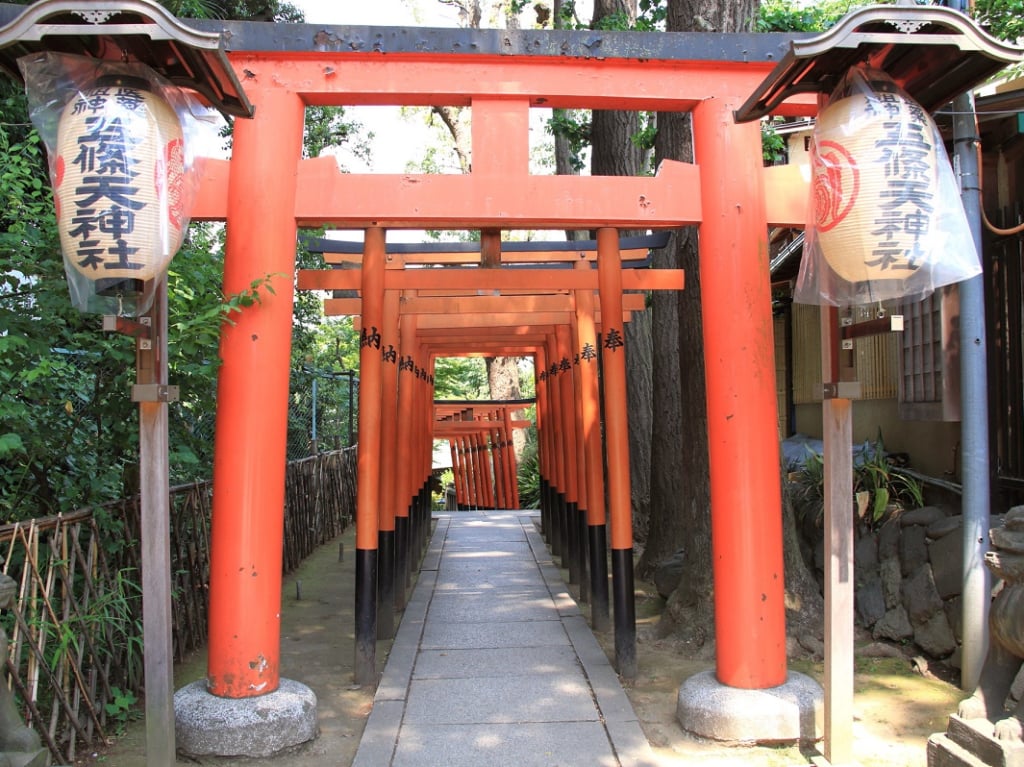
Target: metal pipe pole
(974,409)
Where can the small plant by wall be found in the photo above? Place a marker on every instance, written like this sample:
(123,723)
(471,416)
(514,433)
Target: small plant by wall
(879,487)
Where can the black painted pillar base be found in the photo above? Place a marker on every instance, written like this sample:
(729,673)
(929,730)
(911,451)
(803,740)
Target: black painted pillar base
(385,584)
(563,530)
(545,509)
(582,541)
(402,568)
(417,539)
(365,668)
(411,538)
(425,513)
(550,531)
(625,613)
(571,560)
(600,616)
(555,542)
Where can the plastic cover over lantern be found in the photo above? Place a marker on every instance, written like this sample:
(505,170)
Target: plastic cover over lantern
(121,171)
(886,219)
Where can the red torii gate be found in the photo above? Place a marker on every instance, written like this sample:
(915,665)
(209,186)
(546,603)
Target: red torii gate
(266,196)
(453,320)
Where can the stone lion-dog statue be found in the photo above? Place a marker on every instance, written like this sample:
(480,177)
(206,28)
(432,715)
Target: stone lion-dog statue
(1006,633)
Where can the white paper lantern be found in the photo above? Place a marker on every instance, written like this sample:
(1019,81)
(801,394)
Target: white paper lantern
(875,180)
(119,184)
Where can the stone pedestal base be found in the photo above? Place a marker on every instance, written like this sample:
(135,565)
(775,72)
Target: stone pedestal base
(789,713)
(38,758)
(206,725)
(972,743)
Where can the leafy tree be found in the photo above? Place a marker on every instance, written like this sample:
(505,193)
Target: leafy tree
(502,373)
(460,378)
(63,441)
(1003,18)
(790,16)
(68,429)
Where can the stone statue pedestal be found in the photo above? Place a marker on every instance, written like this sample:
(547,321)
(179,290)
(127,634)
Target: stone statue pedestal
(972,743)
(35,759)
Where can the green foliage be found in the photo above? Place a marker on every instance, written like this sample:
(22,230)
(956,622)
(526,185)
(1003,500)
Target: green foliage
(529,472)
(879,483)
(439,499)
(884,483)
(615,22)
(65,439)
(328,128)
(773,146)
(122,708)
(651,15)
(102,629)
(251,10)
(68,429)
(792,16)
(460,378)
(644,138)
(575,126)
(1003,18)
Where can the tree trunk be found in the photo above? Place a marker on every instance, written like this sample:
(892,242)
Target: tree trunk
(615,154)
(690,610)
(502,372)
(684,519)
(503,384)
(460,133)
(673,438)
(805,605)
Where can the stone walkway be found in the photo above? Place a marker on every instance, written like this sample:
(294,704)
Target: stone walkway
(494,664)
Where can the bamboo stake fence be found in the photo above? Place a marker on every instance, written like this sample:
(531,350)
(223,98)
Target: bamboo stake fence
(75,635)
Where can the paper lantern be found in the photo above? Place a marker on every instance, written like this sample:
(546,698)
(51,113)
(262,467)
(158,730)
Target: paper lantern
(119,184)
(875,178)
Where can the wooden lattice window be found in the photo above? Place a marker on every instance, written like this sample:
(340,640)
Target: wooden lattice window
(930,358)
(874,357)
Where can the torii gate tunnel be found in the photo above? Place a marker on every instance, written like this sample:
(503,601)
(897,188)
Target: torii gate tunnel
(569,320)
(267,191)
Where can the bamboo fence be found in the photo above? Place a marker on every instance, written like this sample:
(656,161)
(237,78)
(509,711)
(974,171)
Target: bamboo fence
(75,633)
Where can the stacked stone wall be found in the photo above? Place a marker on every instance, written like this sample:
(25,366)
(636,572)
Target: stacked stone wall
(908,580)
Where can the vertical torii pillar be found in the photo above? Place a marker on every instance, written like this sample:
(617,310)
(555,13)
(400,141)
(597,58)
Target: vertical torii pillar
(620,511)
(368,458)
(567,414)
(389,467)
(544,449)
(510,459)
(597,531)
(250,455)
(409,475)
(746,503)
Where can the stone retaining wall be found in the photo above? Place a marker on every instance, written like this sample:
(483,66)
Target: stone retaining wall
(908,580)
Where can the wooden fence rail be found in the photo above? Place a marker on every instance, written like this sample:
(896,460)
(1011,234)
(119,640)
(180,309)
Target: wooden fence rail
(75,634)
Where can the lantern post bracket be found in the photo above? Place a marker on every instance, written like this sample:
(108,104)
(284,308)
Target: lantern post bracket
(140,328)
(841,390)
(139,30)
(891,324)
(154,393)
(933,53)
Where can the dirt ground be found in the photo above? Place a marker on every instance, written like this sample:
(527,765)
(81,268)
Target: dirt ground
(896,708)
